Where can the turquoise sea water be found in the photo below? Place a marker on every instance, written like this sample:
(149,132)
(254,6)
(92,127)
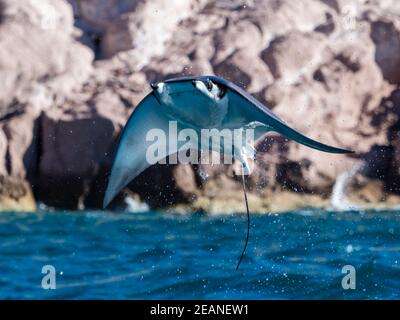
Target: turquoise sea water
(153,255)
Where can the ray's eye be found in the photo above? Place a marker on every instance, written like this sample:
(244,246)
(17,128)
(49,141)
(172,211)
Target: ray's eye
(208,84)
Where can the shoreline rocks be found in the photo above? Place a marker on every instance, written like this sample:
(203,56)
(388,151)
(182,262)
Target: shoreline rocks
(328,68)
(16,195)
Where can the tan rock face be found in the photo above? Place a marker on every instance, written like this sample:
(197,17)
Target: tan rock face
(329,68)
(146,29)
(15,195)
(291,55)
(39,58)
(101,12)
(3,153)
(21,146)
(386,36)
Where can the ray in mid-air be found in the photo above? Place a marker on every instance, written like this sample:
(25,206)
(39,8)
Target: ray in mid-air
(197,103)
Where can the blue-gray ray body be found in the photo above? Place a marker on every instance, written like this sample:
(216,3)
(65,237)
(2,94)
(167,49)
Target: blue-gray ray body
(197,103)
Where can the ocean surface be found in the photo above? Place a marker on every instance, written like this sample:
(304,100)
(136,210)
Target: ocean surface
(155,255)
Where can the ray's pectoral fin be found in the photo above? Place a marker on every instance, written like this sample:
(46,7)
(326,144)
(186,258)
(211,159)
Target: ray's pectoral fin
(144,141)
(292,134)
(256,112)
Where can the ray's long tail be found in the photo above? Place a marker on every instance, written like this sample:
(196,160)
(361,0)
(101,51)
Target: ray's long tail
(248,219)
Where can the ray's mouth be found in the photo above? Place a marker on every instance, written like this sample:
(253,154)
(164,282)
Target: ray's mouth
(182,91)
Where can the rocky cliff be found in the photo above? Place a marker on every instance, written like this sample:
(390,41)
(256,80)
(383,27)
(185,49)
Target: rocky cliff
(72,71)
